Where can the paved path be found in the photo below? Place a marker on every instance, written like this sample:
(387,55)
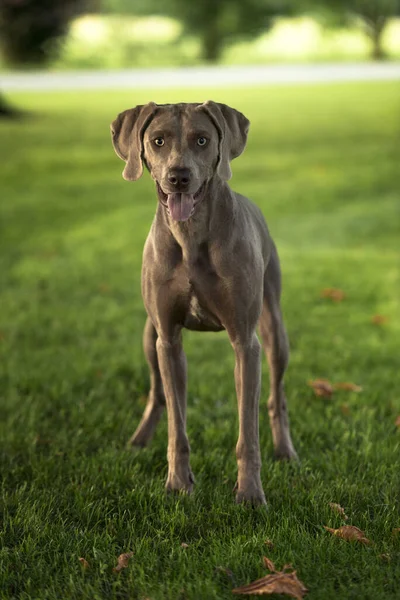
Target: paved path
(199,76)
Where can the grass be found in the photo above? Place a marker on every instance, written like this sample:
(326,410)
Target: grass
(322,162)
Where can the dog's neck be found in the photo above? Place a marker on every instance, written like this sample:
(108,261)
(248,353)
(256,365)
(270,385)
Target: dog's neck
(200,228)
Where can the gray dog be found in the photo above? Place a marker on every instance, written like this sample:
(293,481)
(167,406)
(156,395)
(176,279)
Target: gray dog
(209,264)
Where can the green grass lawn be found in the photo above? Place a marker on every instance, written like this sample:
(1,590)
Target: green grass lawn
(323,164)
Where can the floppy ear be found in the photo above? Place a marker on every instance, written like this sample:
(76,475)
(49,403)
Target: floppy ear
(233,128)
(127,137)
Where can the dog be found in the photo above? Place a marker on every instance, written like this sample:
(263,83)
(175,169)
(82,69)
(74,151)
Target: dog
(209,264)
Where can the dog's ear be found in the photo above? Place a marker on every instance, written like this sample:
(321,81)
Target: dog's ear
(127,137)
(233,128)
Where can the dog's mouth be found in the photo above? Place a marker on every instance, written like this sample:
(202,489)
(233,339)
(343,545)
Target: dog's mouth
(180,206)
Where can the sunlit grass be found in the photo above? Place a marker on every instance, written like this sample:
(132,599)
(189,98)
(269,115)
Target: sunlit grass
(322,163)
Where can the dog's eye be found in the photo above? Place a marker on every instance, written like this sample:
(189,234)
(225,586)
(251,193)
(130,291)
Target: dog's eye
(201,141)
(159,141)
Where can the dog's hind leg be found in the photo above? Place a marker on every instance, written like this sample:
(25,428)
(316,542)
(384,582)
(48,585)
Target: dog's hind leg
(276,347)
(156,399)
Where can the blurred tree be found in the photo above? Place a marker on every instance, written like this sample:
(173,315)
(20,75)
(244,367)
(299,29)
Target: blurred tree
(216,22)
(29,30)
(371,15)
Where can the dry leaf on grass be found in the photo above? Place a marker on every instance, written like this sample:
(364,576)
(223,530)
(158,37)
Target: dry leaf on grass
(278,582)
(184,545)
(385,557)
(84,563)
(333,294)
(397,421)
(348,386)
(321,387)
(123,561)
(338,509)
(349,533)
(379,320)
(225,571)
(396,531)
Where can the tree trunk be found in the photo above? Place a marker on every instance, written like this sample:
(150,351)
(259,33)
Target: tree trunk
(212,43)
(375,32)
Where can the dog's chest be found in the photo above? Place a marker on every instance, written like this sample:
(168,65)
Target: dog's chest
(201,279)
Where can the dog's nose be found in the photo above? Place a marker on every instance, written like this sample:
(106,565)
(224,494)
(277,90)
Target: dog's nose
(179,177)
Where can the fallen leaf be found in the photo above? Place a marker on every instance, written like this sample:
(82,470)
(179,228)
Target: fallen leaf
(268,564)
(385,557)
(396,531)
(278,582)
(84,563)
(269,544)
(339,509)
(123,561)
(349,533)
(41,441)
(333,293)
(397,421)
(225,571)
(379,320)
(345,410)
(348,386)
(185,545)
(321,387)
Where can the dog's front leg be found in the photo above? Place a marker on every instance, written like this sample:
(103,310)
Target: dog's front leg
(248,383)
(172,361)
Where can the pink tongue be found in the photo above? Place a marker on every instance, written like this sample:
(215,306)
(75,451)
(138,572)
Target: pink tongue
(180,206)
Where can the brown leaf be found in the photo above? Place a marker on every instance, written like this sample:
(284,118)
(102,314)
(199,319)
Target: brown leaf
(185,545)
(339,509)
(268,564)
(396,531)
(349,533)
(379,320)
(348,386)
(321,387)
(123,561)
(84,563)
(333,293)
(397,421)
(225,571)
(275,583)
(385,557)
(41,441)
(269,544)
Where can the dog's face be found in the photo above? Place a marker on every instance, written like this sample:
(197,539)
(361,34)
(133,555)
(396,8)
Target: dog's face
(183,146)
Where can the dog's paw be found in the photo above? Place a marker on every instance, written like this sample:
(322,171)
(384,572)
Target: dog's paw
(286,452)
(252,495)
(137,441)
(180,482)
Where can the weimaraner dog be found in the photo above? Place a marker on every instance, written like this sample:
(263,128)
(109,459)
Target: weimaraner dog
(209,264)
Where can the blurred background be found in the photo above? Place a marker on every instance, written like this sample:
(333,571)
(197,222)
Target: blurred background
(115,34)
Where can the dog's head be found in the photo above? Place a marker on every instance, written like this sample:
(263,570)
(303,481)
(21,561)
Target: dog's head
(182,145)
